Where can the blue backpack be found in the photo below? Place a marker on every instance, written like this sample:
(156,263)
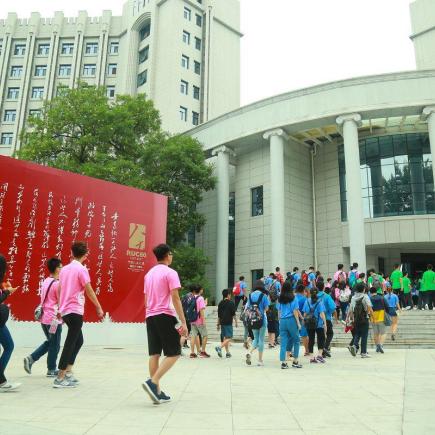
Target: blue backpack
(352,278)
(189,307)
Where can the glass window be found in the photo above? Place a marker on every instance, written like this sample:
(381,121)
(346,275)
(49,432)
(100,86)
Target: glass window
(257,201)
(187,13)
(143,54)
(142,78)
(35,113)
(10,116)
(185,61)
(7,138)
(37,92)
(16,71)
(40,70)
(396,176)
(91,48)
(13,93)
(195,118)
(67,48)
(197,43)
(89,69)
(256,274)
(183,113)
(145,31)
(197,67)
(184,87)
(112,69)
(64,70)
(199,20)
(114,48)
(43,49)
(196,92)
(186,37)
(19,49)
(110,91)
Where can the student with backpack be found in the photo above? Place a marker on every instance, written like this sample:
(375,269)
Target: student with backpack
(329,304)
(407,300)
(196,316)
(375,280)
(256,318)
(272,323)
(311,278)
(378,319)
(340,274)
(301,298)
(342,295)
(296,278)
(289,325)
(393,306)
(239,291)
(353,275)
(360,311)
(226,316)
(315,322)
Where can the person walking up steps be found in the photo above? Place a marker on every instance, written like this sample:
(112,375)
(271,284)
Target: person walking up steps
(378,319)
(226,316)
(393,306)
(197,322)
(239,291)
(289,325)
(301,298)
(407,299)
(49,321)
(162,304)
(256,308)
(315,322)
(427,288)
(360,311)
(74,281)
(329,304)
(396,278)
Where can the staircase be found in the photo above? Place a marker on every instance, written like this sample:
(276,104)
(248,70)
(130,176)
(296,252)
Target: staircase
(416,330)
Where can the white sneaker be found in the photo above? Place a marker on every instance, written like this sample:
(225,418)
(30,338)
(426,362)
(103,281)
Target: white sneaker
(9,386)
(426,306)
(64,383)
(260,364)
(70,378)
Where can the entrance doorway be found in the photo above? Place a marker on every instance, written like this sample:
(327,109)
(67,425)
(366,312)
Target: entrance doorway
(416,264)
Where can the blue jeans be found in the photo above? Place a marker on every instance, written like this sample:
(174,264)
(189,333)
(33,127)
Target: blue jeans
(290,340)
(51,345)
(7,344)
(343,307)
(259,334)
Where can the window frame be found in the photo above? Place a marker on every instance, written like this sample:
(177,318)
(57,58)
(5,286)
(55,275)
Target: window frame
(183,113)
(256,209)
(9,136)
(8,112)
(88,66)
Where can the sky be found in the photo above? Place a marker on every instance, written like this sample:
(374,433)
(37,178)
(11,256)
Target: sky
(293,44)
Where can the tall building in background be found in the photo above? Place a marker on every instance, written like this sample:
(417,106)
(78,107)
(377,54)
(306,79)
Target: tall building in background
(183,54)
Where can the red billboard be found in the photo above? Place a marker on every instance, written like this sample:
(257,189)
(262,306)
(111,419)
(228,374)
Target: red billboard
(43,210)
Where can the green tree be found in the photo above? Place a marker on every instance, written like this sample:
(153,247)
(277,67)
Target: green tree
(121,141)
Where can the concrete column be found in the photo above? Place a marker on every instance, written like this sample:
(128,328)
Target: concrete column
(223,195)
(429,114)
(349,124)
(277,139)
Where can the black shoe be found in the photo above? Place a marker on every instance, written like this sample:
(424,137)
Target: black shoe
(377,348)
(326,353)
(151,389)
(381,349)
(284,365)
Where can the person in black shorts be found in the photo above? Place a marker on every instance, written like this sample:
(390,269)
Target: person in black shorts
(162,304)
(226,315)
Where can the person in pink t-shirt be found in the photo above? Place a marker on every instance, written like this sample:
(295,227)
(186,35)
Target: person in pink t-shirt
(74,281)
(162,304)
(49,302)
(198,326)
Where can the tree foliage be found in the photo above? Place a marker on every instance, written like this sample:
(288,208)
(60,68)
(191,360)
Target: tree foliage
(121,141)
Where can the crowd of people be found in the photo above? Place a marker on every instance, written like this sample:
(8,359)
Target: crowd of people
(293,309)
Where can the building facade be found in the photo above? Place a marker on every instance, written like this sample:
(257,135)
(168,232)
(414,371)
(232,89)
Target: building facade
(336,173)
(183,54)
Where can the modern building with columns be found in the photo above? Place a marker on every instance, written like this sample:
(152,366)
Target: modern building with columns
(183,54)
(337,173)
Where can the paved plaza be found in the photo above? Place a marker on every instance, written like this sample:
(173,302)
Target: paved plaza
(387,394)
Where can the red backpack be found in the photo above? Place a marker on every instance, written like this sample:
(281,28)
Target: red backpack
(305,279)
(236,289)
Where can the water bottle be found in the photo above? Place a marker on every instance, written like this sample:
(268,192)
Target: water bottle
(53,326)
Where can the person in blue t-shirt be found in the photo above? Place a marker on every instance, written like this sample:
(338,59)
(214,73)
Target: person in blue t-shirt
(289,325)
(258,295)
(393,306)
(315,305)
(311,278)
(300,296)
(330,311)
(296,277)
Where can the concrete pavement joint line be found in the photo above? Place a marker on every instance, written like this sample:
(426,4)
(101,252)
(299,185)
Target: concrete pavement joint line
(285,402)
(181,395)
(404,390)
(105,415)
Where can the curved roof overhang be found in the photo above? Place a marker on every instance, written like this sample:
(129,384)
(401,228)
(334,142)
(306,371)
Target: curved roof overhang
(387,103)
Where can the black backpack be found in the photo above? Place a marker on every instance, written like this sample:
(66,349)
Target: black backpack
(311,320)
(359,313)
(253,315)
(189,307)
